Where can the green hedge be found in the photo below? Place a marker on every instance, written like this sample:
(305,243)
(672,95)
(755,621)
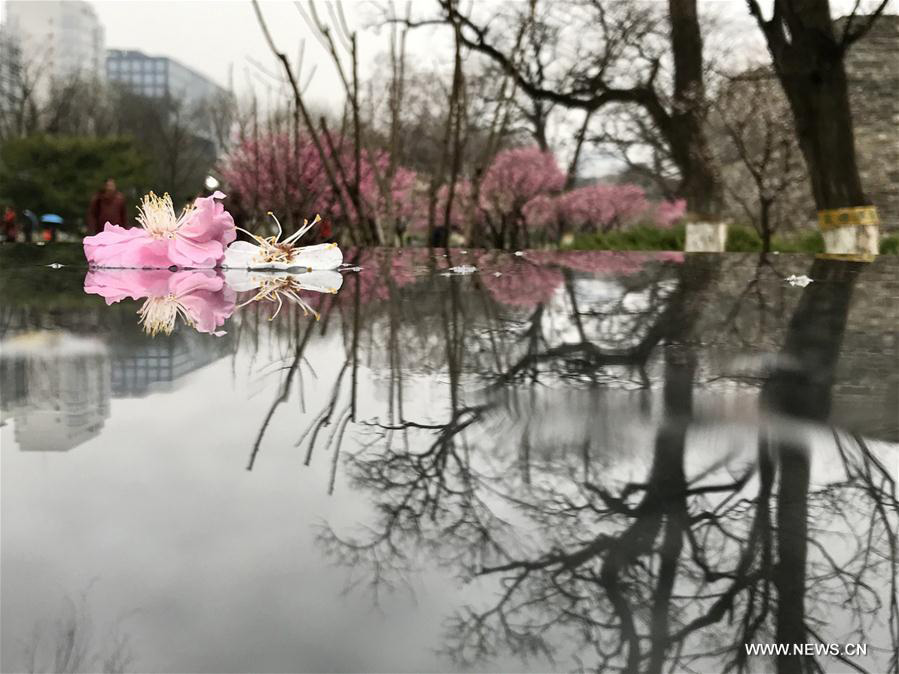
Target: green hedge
(635,238)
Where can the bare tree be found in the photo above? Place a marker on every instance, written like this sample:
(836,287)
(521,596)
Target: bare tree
(611,43)
(762,137)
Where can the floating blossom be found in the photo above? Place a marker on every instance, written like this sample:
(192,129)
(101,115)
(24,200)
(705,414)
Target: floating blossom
(199,299)
(462,269)
(272,253)
(280,286)
(197,237)
(800,281)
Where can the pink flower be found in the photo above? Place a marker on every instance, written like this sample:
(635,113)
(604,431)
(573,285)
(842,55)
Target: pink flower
(516,176)
(200,298)
(669,212)
(196,238)
(603,207)
(542,212)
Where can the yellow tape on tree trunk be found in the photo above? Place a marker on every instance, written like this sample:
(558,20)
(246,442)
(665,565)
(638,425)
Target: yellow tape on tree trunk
(847,257)
(855,216)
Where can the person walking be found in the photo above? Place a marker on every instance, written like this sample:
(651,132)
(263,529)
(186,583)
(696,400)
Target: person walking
(9,224)
(107,205)
(30,224)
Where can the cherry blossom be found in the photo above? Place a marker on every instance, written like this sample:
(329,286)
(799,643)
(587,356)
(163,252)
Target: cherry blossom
(199,298)
(195,238)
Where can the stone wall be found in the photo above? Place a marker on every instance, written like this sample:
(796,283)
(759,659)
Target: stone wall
(872,67)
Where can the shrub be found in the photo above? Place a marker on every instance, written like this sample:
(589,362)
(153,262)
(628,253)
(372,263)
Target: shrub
(634,238)
(889,245)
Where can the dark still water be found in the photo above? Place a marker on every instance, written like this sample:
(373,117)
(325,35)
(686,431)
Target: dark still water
(597,461)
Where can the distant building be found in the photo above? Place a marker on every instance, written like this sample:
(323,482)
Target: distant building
(159,76)
(10,73)
(156,366)
(58,39)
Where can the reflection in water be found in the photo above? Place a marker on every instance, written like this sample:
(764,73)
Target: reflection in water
(57,388)
(200,298)
(633,463)
(71,643)
(279,286)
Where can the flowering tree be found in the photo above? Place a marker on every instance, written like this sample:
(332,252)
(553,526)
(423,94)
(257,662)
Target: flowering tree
(280,174)
(283,173)
(402,206)
(669,212)
(603,207)
(542,214)
(514,178)
(462,212)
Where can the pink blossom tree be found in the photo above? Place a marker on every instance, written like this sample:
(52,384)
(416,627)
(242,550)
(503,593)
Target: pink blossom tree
(462,213)
(514,178)
(667,213)
(542,213)
(398,208)
(282,173)
(603,207)
(277,173)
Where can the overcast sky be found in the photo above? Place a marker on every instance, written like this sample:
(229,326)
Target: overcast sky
(218,37)
(222,38)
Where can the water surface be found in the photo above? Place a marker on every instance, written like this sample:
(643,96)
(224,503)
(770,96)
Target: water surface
(608,461)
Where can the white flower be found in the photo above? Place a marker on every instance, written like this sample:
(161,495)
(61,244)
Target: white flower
(276,286)
(271,253)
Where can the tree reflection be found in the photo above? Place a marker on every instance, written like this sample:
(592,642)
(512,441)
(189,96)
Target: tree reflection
(672,566)
(71,645)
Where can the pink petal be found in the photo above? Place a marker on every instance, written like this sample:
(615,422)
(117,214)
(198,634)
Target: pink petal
(209,310)
(187,252)
(209,222)
(186,282)
(115,285)
(120,247)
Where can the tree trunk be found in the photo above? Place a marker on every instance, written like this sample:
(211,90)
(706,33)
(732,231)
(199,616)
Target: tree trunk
(819,100)
(809,61)
(792,554)
(701,182)
(765,224)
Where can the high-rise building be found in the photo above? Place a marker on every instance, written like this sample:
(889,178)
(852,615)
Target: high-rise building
(10,74)
(159,76)
(58,39)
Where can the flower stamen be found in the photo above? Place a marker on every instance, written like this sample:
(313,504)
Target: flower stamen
(272,290)
(160,314)
(272,249)
(157,216)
